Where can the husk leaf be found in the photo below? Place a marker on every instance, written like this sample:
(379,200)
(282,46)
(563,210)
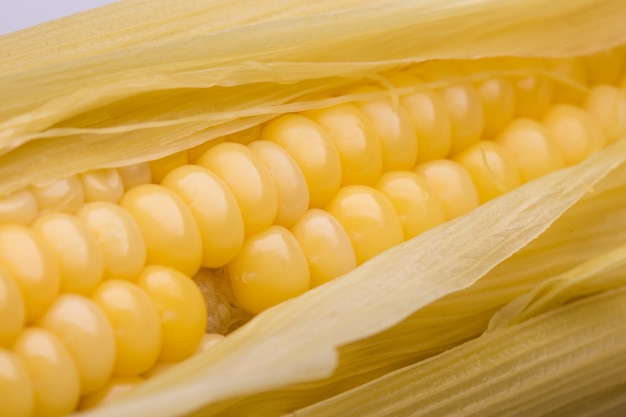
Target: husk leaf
(568,361)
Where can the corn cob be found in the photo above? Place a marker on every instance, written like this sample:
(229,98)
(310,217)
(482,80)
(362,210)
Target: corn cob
(370,174)
(446,163)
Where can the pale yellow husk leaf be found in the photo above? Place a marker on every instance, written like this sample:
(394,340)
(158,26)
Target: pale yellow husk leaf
(566,362)
(186,71)
(141,79)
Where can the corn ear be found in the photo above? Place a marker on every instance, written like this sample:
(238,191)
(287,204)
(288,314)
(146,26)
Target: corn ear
(105,89)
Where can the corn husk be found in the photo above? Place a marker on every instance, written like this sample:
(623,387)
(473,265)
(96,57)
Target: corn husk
(140,79)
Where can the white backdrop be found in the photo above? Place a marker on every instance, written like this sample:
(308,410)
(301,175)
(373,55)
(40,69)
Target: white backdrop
(20,14)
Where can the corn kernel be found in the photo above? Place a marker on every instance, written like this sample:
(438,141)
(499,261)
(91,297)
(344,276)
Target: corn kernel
(214,209)
(181,310)
(169,231)
(16,389)
(12,309)
(119,239)
(326,245)
(248,179)
(88,336)
(258,273)
(135,323)
(452,184)
(368,218)
(414,201)
(29,260)
(356,141)
(78,255)
(51,369)
(312,150)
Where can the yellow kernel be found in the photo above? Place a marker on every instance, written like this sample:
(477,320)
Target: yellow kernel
(51,369)
(462,103)
(368,218)
(77,252)
(16,389)
(568,69)
(534,151)
(605,67)
(118,236)
(181,310)
(214,209)
(356,141)
(259,273)
(65,194)
(496,93)
(533,91)
(248,179)
(314,152)
(134,175)
(135,322)
(169,230)
(29,260)
(18,208)
(326,245)
(429,118)
(394,129)
(113,389)
(607,104)
(12,310)
(492,169)
(291,188)
(102,185)
(575,132)
(414,201)
(88,336)
(452,184)
(161,167)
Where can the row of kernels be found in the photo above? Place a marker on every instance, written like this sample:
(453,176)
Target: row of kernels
(566,136)
(70,193)
(79,343)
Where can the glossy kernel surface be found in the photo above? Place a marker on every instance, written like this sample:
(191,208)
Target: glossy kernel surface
(135,323)
(292,192)
(55,379)
(414,201)
(314,152)
(258,273)
(12,310)
(214,209)
(119,238)
(249,181)
(492,169)
(168,228)
(16,389)
(532,147)
(452,184)
(326,245)
(368,218)
(31,263)
(181,310)
(77,252)
(393,127)
(88,336)
(356,140)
